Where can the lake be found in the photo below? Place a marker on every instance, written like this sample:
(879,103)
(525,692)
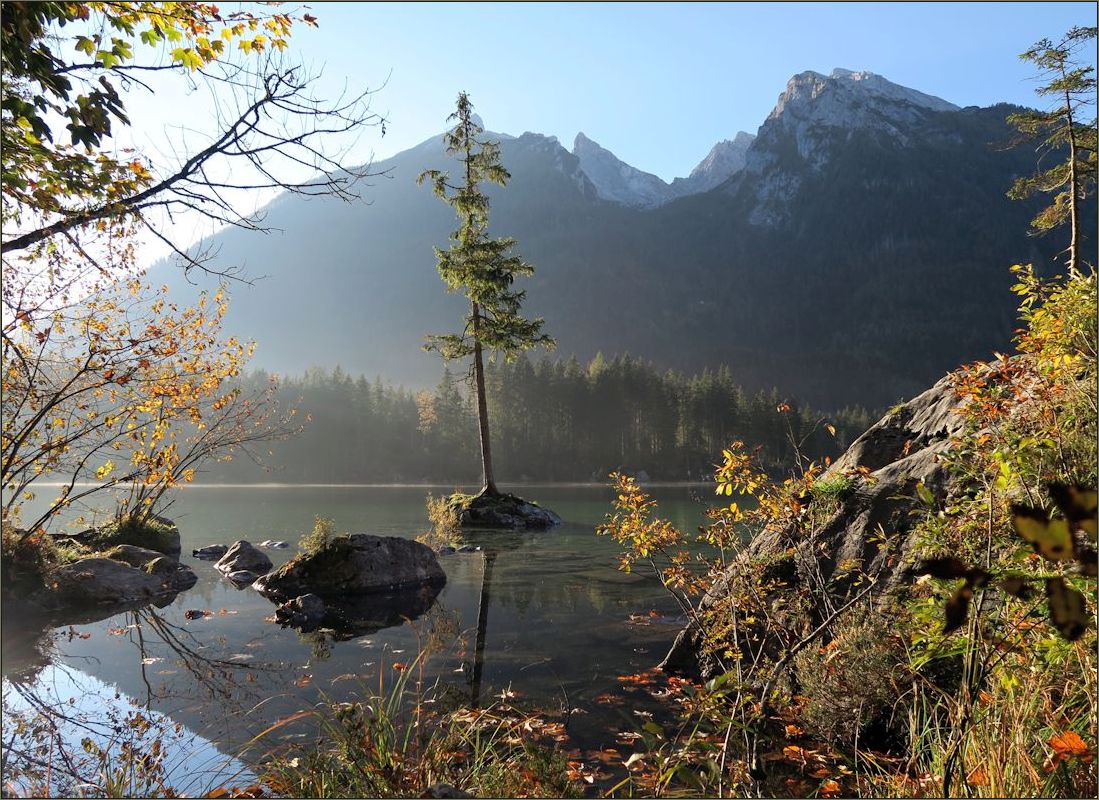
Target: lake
(558,629)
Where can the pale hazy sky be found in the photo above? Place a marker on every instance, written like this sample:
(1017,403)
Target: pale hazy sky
(656,83)
(659,83)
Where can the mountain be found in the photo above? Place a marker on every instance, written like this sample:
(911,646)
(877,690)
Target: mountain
(860,253)
(724,160)
(618,182)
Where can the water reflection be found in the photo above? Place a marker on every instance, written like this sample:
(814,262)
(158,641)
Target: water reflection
(482,628)
(75,736)
(546,613)
(353,616)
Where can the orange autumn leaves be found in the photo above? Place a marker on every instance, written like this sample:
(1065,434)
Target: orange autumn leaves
(1067,747)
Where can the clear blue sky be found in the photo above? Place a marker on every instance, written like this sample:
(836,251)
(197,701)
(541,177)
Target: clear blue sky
(659,83)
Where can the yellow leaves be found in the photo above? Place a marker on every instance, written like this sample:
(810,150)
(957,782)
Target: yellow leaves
(104,470)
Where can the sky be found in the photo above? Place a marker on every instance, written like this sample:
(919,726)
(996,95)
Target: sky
(659,83)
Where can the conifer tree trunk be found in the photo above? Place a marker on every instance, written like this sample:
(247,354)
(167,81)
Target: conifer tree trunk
(1073,185)
(489,487)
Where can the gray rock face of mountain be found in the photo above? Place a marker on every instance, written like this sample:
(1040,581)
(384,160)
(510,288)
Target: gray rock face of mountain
(818,114)
(617,181)
(724,160)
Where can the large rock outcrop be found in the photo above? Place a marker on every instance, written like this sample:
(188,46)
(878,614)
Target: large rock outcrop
(904,449)
(358,563)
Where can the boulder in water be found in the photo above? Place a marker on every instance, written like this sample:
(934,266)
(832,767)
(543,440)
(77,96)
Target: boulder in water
(100,580)
(357,563)
(210,552)
(243,556)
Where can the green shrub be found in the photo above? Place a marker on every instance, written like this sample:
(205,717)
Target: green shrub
(324,531)
(853,683)
(445,518)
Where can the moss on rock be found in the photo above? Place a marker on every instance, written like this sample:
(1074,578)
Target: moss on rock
(501,510)
(153,533)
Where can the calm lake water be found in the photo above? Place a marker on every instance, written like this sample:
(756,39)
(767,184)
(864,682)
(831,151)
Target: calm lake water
(558,629)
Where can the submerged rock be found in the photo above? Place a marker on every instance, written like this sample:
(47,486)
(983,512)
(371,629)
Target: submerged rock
(502,511)
(356,615)
(355,564)
(244,577)
(211,551)
(243,556)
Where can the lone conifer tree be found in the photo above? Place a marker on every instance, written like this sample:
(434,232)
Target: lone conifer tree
(481,267)
(1065,128)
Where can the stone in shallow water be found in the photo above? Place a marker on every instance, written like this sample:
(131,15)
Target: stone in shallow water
(107,581)
(242,576)
(242,555)
(211,551)
(359,563)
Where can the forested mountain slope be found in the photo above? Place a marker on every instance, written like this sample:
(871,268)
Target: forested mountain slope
(859,253)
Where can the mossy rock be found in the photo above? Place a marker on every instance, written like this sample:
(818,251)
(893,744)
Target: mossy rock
(502,511)
(355,564)
(154,533)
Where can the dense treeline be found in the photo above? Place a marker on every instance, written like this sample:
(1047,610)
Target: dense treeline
(551,421)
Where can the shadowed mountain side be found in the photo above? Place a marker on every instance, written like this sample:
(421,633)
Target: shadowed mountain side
(856,275)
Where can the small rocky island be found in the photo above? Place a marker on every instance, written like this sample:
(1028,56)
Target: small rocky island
(110,568)
(354,584)
(501,510)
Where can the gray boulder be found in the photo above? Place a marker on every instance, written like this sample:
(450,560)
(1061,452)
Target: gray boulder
(359,563)
(101,580)
(905,448)
(243,556)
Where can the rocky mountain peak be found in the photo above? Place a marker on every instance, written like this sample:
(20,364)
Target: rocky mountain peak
(725,159)
(825,97)
(617,181)
(815,117)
